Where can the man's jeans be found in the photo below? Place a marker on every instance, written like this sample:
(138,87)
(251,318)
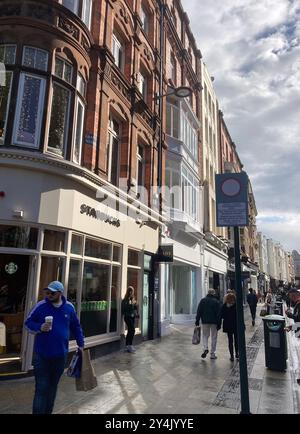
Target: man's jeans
(47,374)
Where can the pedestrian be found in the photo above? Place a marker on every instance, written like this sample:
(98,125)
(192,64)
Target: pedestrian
(51,343)
(228,315)
(294,296)
(129,309)
(269,303)
(209,313)
(252,301)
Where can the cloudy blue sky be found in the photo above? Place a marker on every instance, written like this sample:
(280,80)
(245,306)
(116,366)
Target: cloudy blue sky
(252,48)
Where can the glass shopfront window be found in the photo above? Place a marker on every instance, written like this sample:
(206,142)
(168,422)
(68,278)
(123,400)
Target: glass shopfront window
(94,304)
(51,269)
(114,293)
(97,249)
(77,243)
(21,237)
(74,283)
(54,241)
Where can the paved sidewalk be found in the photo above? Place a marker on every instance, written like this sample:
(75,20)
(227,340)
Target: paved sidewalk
(168,376)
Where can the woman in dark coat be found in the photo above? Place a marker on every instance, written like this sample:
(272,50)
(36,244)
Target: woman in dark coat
(129,309)
(228,315)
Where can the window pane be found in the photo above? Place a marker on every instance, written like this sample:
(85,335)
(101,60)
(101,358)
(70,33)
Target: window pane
(115,291)
(81,85)
(68,72)
(78,134)
(29,114)
(117,254)
(21,237)
(54,241)
(51,269)
(76,246)
(87,9)
(8,54)
(41,61)
(94,305)
(133,257)
(29,57)
(97,249)
(59,120)
(73,5)
(35,58)
(74,282)
(114,168)
(59,68)
(4,104)
(133,279)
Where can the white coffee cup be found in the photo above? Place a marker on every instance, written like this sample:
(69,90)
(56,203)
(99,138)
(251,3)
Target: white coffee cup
(49,320)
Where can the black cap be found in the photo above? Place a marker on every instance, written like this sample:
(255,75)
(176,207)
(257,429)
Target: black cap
(294,291)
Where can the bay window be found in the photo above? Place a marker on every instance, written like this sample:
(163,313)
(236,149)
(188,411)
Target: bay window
(29,110)
(8,54)
(81,8)
(35,58)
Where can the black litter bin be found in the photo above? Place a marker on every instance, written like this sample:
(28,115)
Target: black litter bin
(275,342)
(278,308)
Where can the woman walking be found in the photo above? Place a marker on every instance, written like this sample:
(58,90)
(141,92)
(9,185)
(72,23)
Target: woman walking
(228,315)
(130,311)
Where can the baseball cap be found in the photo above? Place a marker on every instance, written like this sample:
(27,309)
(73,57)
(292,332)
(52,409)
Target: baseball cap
(55,286)
(294,291)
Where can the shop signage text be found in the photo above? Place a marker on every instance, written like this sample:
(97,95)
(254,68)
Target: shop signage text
(98,215)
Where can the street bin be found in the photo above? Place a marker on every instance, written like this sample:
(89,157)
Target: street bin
(278,308)
(275,342)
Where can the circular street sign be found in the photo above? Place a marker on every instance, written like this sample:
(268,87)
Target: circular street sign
(231,187)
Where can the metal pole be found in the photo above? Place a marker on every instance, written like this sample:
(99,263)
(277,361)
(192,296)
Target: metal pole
(245,406)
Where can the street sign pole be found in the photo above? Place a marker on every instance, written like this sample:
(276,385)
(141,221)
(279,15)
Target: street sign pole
(245,406)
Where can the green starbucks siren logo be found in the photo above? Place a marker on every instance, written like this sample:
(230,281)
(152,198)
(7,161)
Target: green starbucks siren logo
(11,268)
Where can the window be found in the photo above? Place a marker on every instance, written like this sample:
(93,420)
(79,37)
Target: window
(118,52)
(112,152)
(54,241)
(76,246)
(58,131)
(35,58)
(29,110)
(5,91)
(143,86)
(8,54)
(133,257)
(190,194)
(63,70)
(189,135)
(72,5)
(173,69)
(81,85)
(98,249)
(140,176)
(173,121)
(20,237)
(145,20)
(78,132)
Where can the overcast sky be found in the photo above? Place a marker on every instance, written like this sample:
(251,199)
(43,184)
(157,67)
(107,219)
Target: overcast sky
(252,48)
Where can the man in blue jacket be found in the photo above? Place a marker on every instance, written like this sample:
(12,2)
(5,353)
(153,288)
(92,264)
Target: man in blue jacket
(51,343)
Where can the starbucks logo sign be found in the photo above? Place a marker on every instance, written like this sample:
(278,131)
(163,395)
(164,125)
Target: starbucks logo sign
(11,268)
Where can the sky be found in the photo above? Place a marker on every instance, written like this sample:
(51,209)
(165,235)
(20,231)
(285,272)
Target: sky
(252,48)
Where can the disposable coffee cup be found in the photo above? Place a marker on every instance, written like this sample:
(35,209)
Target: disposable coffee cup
(49,320)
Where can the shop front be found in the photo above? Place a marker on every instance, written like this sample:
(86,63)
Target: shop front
(65,234)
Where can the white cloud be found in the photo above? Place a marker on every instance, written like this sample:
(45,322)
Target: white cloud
(253,49)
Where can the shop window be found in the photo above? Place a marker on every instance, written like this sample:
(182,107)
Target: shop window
(59,122)
(117,253)
(5,91)
(8,54)
(133,257)
(21,237)
(114,298)
(63,70)
(35,58)
(74,283)
(98,249)
(29,110)
(51,269)
(76,244)
(54,241)
(95,293)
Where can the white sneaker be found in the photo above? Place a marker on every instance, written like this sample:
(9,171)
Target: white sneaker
(130,349)
(213,356)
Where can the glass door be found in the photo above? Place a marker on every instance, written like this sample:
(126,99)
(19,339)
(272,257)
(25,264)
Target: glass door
(14,271)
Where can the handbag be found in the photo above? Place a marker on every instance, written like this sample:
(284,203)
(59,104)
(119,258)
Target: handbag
(196,335)
(87,380)
(74,369)
(263,311)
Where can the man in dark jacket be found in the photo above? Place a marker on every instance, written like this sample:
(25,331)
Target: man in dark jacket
(209,313)
(51,321)
(294,296)
(252,301)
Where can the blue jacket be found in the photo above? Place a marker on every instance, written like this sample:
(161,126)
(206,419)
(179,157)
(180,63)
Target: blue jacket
(54,343)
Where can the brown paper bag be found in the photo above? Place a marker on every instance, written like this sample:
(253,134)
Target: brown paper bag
(88,379)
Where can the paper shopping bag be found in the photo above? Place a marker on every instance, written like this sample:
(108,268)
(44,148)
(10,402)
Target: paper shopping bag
(87,380)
